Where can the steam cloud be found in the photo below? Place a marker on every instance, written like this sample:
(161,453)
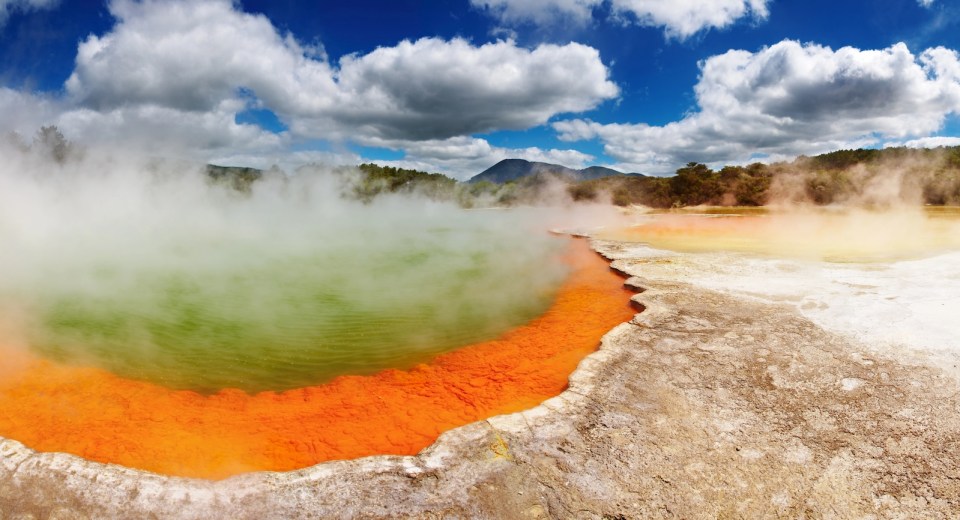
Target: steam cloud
(144,266)
(900,182)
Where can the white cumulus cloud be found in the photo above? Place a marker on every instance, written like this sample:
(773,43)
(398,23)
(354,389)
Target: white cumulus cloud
(434,89)
(540,12)
(678,18)
(191,56)
(24,113)
(928,142)
(154,127)
(179,71)
(791,99)
(684,18)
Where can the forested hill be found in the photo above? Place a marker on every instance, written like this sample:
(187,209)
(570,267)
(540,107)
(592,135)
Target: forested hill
(511,170)
(862,177)
(852,177)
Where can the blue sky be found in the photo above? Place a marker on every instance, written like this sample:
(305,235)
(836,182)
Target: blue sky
(455,86)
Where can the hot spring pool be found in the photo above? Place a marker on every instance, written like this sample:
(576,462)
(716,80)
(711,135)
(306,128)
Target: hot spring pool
(261,313)
(166,326)
(103,417)
(831,234)
(266,293)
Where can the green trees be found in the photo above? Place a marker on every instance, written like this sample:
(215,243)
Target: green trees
(695,184)
(375,180)
(829,186)
(842,159)
(745,186)
(865,177)
(873,178)
(868,177)
(50,142)
(237,178)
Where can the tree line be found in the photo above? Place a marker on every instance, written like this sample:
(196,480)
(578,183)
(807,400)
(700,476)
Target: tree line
(865,177)
(851,177)
(868,177)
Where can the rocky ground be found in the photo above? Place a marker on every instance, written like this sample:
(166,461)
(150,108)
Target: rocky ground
(704,406)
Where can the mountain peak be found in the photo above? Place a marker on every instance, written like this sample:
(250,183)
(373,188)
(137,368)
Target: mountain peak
(512,169)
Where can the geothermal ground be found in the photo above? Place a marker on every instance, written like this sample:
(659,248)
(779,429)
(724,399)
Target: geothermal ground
(710,403)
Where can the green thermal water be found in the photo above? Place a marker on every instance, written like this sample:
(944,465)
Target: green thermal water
(272,307)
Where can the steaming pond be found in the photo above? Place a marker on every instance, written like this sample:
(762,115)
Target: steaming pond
(266,296)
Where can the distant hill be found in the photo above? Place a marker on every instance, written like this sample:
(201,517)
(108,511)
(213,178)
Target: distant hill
(597,172)
(512,169)
(236,177)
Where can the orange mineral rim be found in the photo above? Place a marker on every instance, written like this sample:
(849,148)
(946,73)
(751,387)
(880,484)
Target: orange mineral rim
(99,416)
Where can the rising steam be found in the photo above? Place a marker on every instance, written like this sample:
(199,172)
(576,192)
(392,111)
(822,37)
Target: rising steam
(145,267)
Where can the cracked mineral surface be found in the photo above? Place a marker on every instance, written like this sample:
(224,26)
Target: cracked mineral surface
(707,404)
